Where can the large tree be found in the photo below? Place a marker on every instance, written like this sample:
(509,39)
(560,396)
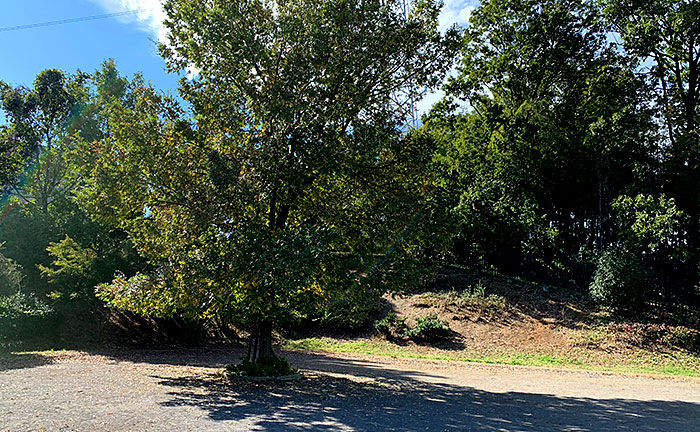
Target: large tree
(293,181)
(32,170)
(38,119)
(665,34)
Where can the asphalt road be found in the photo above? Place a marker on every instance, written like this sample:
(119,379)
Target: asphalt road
(179,390)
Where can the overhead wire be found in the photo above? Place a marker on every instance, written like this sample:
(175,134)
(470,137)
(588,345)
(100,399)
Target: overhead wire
(72,20)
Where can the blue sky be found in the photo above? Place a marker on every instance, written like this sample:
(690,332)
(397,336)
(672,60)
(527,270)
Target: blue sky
(130,40)
(84,45)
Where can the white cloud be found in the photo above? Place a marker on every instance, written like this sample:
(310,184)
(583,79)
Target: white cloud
(424,105)
(456,12)
(149,15)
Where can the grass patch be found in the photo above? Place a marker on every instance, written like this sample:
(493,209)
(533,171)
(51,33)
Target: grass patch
(681,364)
(476,297)
(472,298)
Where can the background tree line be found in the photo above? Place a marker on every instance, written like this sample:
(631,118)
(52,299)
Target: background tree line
(286,186)
(574,158)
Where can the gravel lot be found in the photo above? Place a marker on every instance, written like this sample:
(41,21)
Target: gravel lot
(181,390)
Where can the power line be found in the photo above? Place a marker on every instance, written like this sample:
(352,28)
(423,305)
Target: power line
(71,20)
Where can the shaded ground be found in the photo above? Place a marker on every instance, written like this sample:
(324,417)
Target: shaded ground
(138,390)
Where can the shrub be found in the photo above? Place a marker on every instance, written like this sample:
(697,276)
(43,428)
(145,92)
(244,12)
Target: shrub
(429,328)
(622,282)
(391,326)
(265,367)
(22,305)
(348,316)
(683,337)
(10,276)
(657,335)
(21,315)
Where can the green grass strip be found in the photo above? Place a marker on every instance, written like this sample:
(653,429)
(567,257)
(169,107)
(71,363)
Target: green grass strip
(648,363)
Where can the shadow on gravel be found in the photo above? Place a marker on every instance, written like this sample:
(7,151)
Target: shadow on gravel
(22,361)
(215,356)
(402,401)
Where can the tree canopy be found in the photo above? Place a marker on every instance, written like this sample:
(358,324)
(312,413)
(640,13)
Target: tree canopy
(292,182)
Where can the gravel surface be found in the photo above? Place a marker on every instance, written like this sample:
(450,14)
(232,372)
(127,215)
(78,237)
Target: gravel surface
(182,390)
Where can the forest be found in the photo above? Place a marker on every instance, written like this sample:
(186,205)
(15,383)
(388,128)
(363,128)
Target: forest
(286,184)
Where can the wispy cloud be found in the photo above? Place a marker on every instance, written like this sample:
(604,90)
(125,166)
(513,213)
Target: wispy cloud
(149,14)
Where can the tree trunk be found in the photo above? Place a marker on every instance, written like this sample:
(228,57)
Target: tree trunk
(260,342)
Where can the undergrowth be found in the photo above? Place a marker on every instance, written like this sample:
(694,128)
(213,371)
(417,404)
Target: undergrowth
(266,367)
(428,328)
(475,297)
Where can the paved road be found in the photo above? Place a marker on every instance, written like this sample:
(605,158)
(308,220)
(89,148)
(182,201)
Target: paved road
(178,390)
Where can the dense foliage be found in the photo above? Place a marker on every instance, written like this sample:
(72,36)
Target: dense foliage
(10,276)
(287,185)
(556,145)
(55,253)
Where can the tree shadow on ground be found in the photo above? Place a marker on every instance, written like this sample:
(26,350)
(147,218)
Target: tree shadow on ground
(216,356)
(9,361)
(369,397)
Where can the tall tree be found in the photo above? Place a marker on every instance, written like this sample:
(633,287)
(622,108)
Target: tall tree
(32,169)
(293,182)
(38,121)
(664,35)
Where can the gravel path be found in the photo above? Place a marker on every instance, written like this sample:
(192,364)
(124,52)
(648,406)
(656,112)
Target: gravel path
(179,390)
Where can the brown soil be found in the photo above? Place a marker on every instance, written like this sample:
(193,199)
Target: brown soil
(512,329)
(509,316)
(522,321)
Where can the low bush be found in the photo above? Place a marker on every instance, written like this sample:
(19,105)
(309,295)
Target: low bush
(21,305)
(475,297)
(622,282)
(429,328)
(10,276)
(22,315)
(657,335)
(684,337)
(391,326)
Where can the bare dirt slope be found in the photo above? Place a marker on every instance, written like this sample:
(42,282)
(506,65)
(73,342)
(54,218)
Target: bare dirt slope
(179,390)
(490,316)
